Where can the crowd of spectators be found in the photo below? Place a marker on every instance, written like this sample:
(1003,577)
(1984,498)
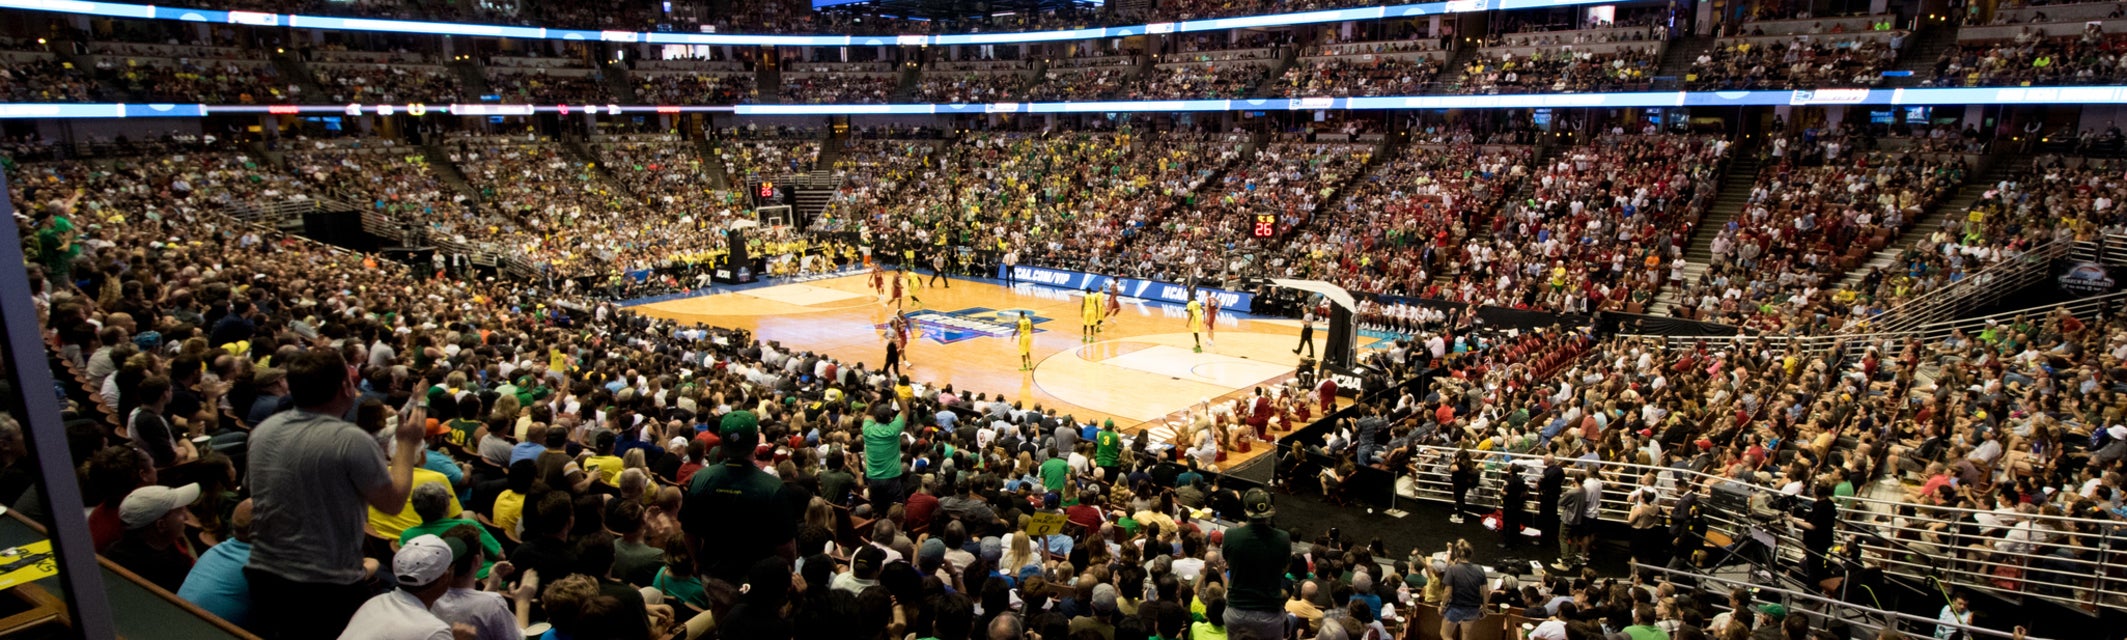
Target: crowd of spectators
(580,456)
(1224,79)
(1099,78)
(197,81)
(678,87)
(395,84)
(1603,226)
(47,80)
(752,159)
(1972,448)
(1561,71)
(970,87)
(2092,58)
(1359,75)
(540,85)
(1064,198)
(1800,62)
(1288,177)
(663,171)
(873,175)
(548,207)
(1821,205)
(393,180)
(839,87)
(549,419)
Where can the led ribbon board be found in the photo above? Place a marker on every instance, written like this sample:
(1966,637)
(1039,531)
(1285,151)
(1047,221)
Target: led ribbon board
(2110,94)
(150,12)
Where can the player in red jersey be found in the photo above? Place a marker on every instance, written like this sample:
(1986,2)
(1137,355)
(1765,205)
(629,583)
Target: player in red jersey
(1211,318)
(897,290)
(1115,300)
(878,280)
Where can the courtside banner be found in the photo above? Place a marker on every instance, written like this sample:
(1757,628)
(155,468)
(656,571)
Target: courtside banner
(1131,287)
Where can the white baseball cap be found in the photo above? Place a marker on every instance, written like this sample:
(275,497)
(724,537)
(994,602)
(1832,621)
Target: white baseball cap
(422,560)
(147,504)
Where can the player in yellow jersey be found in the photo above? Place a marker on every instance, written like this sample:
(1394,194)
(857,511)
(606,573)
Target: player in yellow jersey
(1100,309)
(1196,322)
(1088,315)
(1025,332)
(914,280)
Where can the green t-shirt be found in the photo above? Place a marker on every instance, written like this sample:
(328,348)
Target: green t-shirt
(1109,450)
(490,547)
(1053,473)
(1645,632)
(687,590)
(882,448)
(1256,555)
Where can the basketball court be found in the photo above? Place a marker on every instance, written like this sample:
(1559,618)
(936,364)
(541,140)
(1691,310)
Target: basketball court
(1140,372)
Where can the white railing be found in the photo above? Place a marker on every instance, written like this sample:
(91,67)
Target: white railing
(1978,289)
(275,214)
(2079,569)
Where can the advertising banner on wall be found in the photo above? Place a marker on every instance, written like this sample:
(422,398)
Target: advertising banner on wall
(2087,278)
(1131,287)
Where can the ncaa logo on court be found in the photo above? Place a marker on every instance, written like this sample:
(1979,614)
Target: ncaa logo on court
(948,327)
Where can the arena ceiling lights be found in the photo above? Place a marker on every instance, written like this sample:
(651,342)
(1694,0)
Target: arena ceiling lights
(2113,94)
(150,12)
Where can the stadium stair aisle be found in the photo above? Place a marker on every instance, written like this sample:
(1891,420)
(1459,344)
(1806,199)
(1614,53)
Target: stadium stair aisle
(1677,57)
(615,74)
(1145,65)
(439,161)
(1999,168)
(1454,71)
(472,77)
(1134,8)
(1268,86)
(1032,77)
(293,69)
(572,147)
(830,151)
(1735,193)
(1545,153)
(1921,53)
(705,150)
(911,81)
(1336,197)
(766,78)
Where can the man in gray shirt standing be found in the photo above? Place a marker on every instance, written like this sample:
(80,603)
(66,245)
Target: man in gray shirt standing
(1572,516)
(313,478)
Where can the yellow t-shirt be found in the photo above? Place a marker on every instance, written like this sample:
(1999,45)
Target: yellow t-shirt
(608,468)
(509,506)
(390,526)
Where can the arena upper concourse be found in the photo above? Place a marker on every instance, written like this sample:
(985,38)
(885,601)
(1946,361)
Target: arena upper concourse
(1068,320)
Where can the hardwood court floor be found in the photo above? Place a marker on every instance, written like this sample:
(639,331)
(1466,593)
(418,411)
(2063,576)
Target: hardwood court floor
(1140,372)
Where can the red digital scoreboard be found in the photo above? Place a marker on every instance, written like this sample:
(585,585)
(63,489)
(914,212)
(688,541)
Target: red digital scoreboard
(1266,225)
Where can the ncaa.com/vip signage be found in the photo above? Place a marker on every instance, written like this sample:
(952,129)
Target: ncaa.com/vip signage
(1131,287)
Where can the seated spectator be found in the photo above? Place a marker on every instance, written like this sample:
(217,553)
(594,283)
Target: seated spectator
(421,569)
(434,504)
(489,613)
(154,545)
(216,582)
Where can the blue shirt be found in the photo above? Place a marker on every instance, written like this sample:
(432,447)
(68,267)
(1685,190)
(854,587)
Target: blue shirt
(217,582)
(442,463)
(525,451)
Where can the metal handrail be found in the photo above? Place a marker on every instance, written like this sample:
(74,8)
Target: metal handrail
(1892,342)
(1978,288)
(1432,484)
(1894,616)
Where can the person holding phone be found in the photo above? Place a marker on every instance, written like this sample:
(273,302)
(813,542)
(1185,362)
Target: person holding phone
(314,478)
